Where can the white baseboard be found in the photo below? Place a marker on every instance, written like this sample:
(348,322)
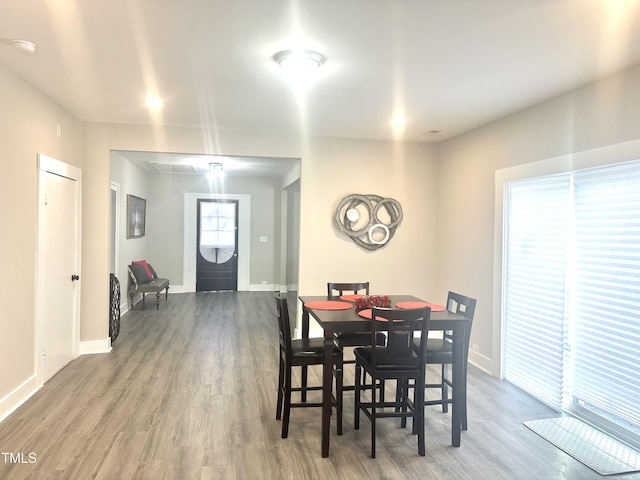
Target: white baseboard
(17,397)
(270,287)
(483,363)
(176,289)
(90,347)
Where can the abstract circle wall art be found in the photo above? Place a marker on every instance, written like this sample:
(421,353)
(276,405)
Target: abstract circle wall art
(369,220)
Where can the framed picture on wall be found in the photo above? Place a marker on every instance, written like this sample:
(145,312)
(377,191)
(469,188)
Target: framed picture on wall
(136,212)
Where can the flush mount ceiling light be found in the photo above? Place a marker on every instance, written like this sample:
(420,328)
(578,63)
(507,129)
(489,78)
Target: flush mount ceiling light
(299,61)
(24,45)
(215,170)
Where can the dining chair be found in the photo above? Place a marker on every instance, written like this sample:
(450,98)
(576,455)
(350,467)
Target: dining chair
(440,351)
(301,352)
(398,361)
(352,339)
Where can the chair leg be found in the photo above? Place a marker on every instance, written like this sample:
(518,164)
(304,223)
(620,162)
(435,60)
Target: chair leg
(280,389)
(419,406)
(339,385)
(403,389)
(287,402)
(445,388)
(358,390)
(464,398)
(158,300)
(303,384)
(373,417)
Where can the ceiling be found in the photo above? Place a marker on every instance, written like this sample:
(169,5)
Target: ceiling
(189,164)
(449,65)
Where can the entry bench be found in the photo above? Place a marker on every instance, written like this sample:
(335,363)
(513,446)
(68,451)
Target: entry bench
(143,279)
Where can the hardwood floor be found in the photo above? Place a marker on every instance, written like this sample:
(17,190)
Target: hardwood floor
(189,392)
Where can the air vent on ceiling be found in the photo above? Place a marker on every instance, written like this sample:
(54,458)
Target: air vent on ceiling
(174,168)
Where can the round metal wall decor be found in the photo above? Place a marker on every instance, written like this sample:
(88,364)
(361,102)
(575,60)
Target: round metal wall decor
(362,218)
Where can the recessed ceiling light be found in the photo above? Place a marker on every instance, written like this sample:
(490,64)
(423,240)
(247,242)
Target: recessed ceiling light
(299,61)
(154,102)
(24,45)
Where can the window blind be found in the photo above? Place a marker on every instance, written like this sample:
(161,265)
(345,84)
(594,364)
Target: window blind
(534,298)
(605,292)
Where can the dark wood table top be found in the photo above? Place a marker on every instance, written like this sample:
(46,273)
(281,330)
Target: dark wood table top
(350,321)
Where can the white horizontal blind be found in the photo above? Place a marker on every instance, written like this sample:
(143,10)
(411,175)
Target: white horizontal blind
(605,293)
(534,308)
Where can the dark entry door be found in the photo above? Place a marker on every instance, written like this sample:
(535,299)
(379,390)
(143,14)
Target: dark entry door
(217,252)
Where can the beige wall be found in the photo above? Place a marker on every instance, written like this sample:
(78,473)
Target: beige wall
(165,210)
(100,141)
(27,126)
(601,114)
(335,168)
(330,169)
(131,180)
(292,235)
(446,240)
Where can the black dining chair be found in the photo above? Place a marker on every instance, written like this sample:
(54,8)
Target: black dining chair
(398,361)
(301,352)
(440,351)
(352,339)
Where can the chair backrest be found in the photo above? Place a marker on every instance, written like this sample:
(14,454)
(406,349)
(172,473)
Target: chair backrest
(458,303)
(401,325)
(284,325)
(341,288)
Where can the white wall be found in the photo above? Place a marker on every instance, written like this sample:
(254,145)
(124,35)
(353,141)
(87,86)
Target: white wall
(330,169)
(447,192)
(165,214)
(335,168)
(597,115)
(132,180)
(28,123)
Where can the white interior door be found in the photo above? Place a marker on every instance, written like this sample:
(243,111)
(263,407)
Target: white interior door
(58,268)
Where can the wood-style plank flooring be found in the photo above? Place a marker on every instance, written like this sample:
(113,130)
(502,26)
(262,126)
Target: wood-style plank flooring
(189,392)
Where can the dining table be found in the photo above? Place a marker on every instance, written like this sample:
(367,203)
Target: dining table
(340,315)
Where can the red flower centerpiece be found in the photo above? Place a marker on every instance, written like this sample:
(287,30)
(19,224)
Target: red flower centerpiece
(372,301)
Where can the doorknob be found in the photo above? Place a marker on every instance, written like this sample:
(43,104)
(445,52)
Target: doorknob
(75,277)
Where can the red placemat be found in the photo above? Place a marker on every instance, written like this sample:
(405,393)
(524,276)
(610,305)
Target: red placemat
(328,305)
(366,313)
(434,306)
(351,298)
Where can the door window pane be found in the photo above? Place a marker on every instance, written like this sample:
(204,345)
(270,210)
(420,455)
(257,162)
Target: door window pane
(217,231)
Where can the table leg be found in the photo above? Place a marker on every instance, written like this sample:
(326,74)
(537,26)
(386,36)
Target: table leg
(327,384)
(304,372)
(458,387)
